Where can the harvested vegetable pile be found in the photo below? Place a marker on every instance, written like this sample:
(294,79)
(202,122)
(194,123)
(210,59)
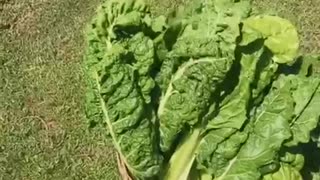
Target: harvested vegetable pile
(208,92)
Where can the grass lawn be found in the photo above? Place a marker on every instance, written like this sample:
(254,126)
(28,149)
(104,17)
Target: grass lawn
(43,133)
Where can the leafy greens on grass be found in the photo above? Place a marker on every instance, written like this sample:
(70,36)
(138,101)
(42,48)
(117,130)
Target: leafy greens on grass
(209,92)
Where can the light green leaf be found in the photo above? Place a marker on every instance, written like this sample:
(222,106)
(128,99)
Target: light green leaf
(296,160)
(280,36)
(158,24)
(315,175)
(285,172)
(182,159)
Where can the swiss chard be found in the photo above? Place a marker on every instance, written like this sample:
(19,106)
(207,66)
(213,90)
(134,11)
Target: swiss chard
(213,93)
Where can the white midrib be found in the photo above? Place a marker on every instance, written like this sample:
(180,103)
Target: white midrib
(177,76)
(235,158)
(304,108)
(109,124)
(181,161)
(265,109)
(225,173)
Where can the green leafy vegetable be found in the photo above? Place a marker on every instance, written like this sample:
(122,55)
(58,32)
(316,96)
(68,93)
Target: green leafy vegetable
(119,61)
(280,36)
(209,92)
(285,172)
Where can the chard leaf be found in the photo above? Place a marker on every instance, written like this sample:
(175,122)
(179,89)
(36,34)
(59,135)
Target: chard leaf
(315,175)
(182,160)
(128,118)
(118,66)
(225,152)
(204,28)
(210,31)
(211,28)
(310,65)
(234,108)
(202,95)
(280,36)
(265,74)
(217,147)
(307,98)
(188,96)
(270,130)
(294,159)
(304,92)
(209,145)
(286,172)
(142,50)
(105,27)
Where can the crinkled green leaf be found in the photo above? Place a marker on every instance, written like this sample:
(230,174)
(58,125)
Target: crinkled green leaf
(118,66)
(142,50)
(225,152)
(311,67)
(204,28)
(304,92)
(128,118)
(188,96)
(209,145)
(101,33)
(205,94)
(211,29)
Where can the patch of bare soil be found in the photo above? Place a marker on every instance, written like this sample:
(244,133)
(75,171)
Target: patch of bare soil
(21,17)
